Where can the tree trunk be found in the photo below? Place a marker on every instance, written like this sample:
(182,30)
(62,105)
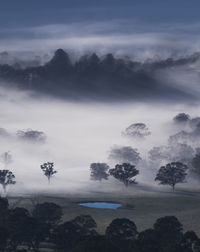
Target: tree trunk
(49,180)
(173,187)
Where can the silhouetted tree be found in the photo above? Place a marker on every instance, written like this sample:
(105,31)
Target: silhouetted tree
(99,171)
(172,174)
(25,230)
(124,173)
(85,221)
(96,244)
(48,213)
(67,235)
(137,130)
(124,154)
(191,241)
(17,226)
(122,232)
(148,241)
(6,178)
(4,236)
(6,159)
(169,232)
(3,211)
(48,169)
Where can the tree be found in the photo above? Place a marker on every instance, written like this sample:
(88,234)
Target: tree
(48,170)
(124,154)
(169,232)
(172,153)
(24,229)
(181,118)
(122,232)
(67,235)
(137,130)
(6,158)
(191,241)
(97,243)
(99,171)
(17,226)
(172,174)
(6,178)
(147,241)
(85,221)
(32,135)
(3,238)
(48,213)
(3,211)
(124,173)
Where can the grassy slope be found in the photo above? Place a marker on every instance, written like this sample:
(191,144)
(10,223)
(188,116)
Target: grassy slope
(148,206)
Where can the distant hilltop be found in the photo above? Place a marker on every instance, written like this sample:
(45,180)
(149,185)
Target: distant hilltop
(96,77)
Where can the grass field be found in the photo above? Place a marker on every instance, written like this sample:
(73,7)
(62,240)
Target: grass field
(142,205)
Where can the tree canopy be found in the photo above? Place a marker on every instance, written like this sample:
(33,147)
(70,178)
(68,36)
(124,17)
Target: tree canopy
(48,169)
(172,174)
(124,154)
(125,173)
(6,178)
(99,171)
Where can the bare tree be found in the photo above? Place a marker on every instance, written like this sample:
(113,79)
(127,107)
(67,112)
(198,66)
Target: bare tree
(6,178)
(48,170)
(6,158)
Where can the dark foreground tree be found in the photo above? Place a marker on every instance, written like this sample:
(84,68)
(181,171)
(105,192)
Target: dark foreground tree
(6,178)
(48,169)
(67,235)
(24,229)
(190,241)
(122,232)
(48,213)
(172,174)
(17,227)
(96,244)
(3,211)
(169,232)
(148,241)
(99,171)
(124,173)
(3,238)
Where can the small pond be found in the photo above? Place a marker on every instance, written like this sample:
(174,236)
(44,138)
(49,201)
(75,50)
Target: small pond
(102,205)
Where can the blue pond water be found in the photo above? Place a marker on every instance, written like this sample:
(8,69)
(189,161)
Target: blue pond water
(102,205)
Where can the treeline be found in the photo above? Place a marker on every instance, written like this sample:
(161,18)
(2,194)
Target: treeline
(95,77)
(42,227)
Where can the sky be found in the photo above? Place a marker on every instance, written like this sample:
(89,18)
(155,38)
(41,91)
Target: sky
(169,26)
